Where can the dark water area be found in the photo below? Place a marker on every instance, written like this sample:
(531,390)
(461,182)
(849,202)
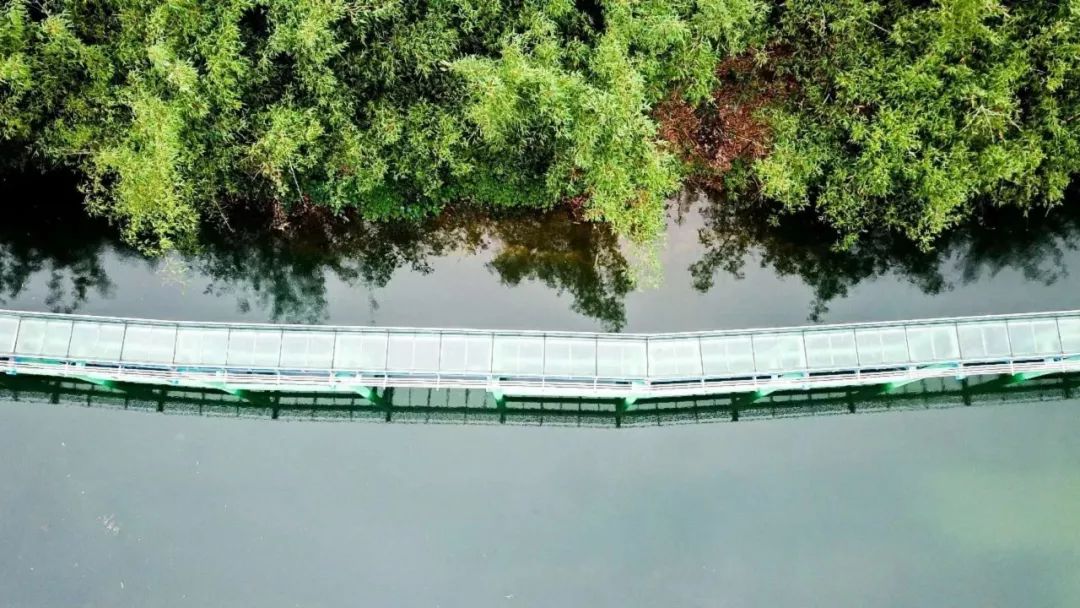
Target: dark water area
(949,493)
(717,269)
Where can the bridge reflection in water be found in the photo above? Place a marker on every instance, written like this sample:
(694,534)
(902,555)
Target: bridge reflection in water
(456,406)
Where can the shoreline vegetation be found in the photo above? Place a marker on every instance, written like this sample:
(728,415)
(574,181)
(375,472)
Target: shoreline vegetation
(868,116)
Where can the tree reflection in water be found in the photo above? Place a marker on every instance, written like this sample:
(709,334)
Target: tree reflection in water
(282,270)
(285,272)
(735,233)
(45,234)
(581,259)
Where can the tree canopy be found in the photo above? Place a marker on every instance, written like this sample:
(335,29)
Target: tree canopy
(171,108)
(910,115)
(901,113)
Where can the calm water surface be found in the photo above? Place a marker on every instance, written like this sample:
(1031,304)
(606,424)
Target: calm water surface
(961,507)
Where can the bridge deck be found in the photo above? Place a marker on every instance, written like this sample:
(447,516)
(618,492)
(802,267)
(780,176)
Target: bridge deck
(323,358)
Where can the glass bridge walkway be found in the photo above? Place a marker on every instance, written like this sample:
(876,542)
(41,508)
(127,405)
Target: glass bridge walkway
(239,357)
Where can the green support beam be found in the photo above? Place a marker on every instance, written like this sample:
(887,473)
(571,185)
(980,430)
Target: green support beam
(1025,376)
(889,387)
(98,380)
(225,388)
(1019,377)
(370,393)
(628,403)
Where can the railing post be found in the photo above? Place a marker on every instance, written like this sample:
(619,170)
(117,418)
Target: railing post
(753,359)
(280,346)
(1012,353)
(333,353)
(596,363)
(386,356)
(175,345)
(907,345)
(806,356)
(438,359)
(123,347)
(701,358)
(543,359)
(959,351)
(71,334)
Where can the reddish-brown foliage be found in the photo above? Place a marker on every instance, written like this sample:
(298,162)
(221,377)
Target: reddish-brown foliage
(728,127)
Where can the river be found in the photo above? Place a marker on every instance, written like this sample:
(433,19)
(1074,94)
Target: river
(964,506)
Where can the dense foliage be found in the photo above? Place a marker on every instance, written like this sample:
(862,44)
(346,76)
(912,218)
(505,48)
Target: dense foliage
(392,107)
(900,113)
(909,114)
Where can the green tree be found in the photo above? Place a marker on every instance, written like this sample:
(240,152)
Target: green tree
(909,114)
(174,110)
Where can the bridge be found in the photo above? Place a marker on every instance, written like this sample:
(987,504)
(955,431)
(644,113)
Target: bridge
(243,358)
(456,406)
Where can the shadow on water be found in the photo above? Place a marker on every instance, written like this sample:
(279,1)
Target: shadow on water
(1000,239)
(479,407)
(284,270)
(48,246)
(46,236)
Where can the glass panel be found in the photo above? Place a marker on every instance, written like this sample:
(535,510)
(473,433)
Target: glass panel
(984,340)
(677,357)
(307,349)
(360,350)
(149,343)
(41,337)
(519,355)
(202,346)
(1038,337)
(1070,335)
(413,352)
(570,357)
(465,353)
(728,355)
(9,327)
(933,343)
(96,341)
(256,348)
(884,346)
(779,352)
(831,349)
(621,358)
